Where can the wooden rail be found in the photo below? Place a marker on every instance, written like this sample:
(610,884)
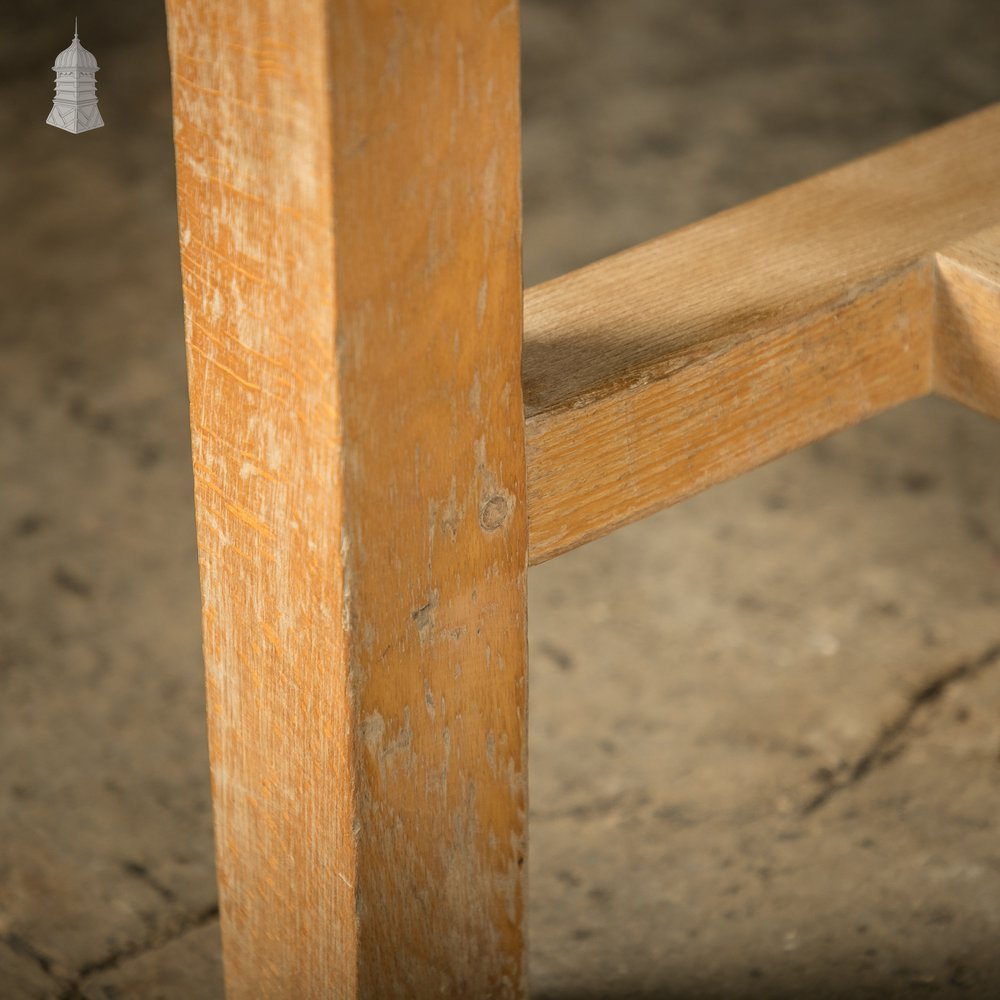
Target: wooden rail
(685,361)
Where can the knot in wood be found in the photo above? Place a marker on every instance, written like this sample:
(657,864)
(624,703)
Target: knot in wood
(494,512)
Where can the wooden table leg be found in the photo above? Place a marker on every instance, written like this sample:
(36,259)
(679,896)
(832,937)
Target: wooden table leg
(349,207)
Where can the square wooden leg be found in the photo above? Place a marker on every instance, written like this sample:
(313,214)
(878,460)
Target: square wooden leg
(349,205)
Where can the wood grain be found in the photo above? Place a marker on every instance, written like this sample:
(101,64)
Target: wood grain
(967,345)
(349,207)
(685,361)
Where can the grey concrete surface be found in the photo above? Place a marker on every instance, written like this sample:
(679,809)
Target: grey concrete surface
(764,728)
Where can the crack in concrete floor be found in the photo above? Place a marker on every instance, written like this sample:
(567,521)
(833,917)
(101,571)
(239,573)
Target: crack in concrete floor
(174,930)
(72,987)
(891,741)
(17,944)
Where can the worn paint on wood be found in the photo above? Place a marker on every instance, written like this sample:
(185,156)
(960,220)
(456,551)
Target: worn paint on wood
(687,360)
(349,206)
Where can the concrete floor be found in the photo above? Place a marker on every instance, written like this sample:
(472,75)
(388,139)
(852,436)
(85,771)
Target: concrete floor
(764,726)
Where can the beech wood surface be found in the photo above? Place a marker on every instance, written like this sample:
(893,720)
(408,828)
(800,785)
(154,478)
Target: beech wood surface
(349,206)
(683,362)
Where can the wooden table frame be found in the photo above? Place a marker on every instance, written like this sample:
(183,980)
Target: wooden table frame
(380,450)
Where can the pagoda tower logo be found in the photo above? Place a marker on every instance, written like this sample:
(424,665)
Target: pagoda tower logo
(75,106)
